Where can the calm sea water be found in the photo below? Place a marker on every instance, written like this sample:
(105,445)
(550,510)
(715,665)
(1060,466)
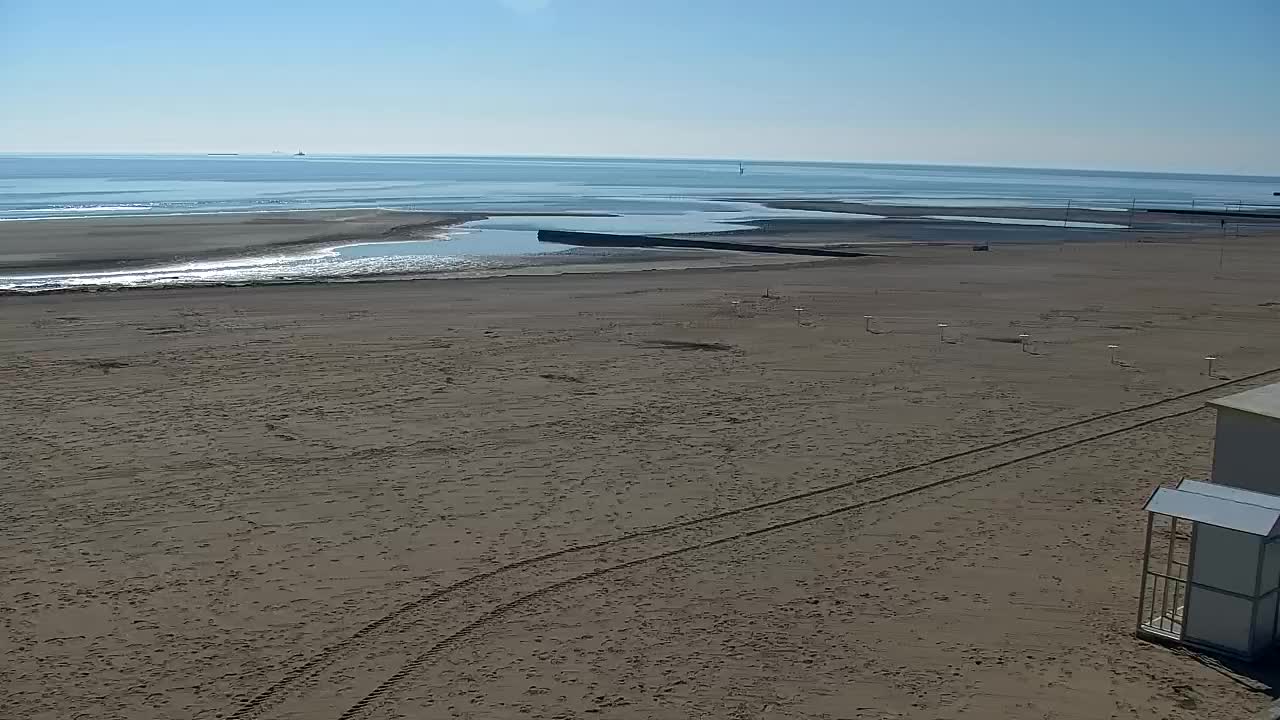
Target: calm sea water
(638,196)
(62,186)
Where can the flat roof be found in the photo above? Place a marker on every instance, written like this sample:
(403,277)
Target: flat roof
(1226,492)
(1258,401)
(1244,517)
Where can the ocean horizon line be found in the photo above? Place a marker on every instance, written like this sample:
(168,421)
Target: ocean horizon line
(230,155)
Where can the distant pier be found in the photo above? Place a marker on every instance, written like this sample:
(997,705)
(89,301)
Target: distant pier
(584,239)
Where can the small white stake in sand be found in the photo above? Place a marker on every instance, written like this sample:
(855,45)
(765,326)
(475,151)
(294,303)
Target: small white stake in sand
(799,311)
(1022,339)
(1113,349)
(866,324)
(942,332)
(1210,358)
(735,304)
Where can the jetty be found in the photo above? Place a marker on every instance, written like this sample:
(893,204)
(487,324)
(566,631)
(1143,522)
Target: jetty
(585,239)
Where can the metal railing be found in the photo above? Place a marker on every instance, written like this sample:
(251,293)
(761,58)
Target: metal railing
(1165,576)
(1165,601)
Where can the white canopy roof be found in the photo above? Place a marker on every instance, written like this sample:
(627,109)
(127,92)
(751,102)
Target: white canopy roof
(1228,507)
(1258,401)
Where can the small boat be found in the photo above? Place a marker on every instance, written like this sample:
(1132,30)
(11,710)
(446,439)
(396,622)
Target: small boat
(299,154)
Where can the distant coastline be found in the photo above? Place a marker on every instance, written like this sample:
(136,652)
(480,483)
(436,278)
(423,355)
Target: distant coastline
(93,221)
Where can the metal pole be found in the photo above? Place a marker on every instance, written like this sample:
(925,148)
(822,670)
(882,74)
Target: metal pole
(1253,607)
(1168,572)
(1191,567)
(1066,214)
(1277,608)
(1146,561)
(1132,206)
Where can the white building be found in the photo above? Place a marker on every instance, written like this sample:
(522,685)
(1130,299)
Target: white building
(1246,452)
(1211,568)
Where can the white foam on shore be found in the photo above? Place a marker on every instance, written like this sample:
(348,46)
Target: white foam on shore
(458,251)
(1027,221)
(133,208)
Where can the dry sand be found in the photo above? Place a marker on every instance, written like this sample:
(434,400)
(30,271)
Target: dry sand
(239,502)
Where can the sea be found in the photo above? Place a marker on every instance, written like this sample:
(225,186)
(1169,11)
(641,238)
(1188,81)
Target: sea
(643,196)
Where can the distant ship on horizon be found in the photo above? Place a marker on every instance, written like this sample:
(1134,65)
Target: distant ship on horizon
(299,154)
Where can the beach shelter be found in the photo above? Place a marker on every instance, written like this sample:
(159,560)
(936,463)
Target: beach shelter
(1246,443)
(1211,567)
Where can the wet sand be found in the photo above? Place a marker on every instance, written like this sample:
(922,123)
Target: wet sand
(114,242)
(91,242)
(256,502)
(82,243)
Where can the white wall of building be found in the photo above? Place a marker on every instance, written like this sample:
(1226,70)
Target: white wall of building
(1246,451)
(1219,620)
(1226,559)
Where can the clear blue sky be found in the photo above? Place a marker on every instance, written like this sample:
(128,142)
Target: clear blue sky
(1141,84)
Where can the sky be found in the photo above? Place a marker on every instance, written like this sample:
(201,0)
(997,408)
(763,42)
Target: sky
(1177,85)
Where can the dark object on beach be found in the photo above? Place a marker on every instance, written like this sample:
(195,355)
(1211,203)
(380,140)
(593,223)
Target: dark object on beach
(689,345)
(560,376)
(565,237)
(982,247)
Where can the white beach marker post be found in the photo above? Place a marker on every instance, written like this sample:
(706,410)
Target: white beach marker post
(1210,358)
(866,323)
(942,332)
(1113,349)
(1022,340)
(799,310)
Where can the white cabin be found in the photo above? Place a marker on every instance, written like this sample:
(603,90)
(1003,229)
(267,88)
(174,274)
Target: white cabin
(1211,567)
(1246,452)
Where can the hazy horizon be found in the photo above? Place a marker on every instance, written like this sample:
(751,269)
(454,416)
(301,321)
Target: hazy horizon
(642,158)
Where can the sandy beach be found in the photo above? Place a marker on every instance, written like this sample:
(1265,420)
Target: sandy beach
(619,495)
(106,241)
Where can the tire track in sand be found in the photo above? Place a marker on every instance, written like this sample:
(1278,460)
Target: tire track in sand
(297,679)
